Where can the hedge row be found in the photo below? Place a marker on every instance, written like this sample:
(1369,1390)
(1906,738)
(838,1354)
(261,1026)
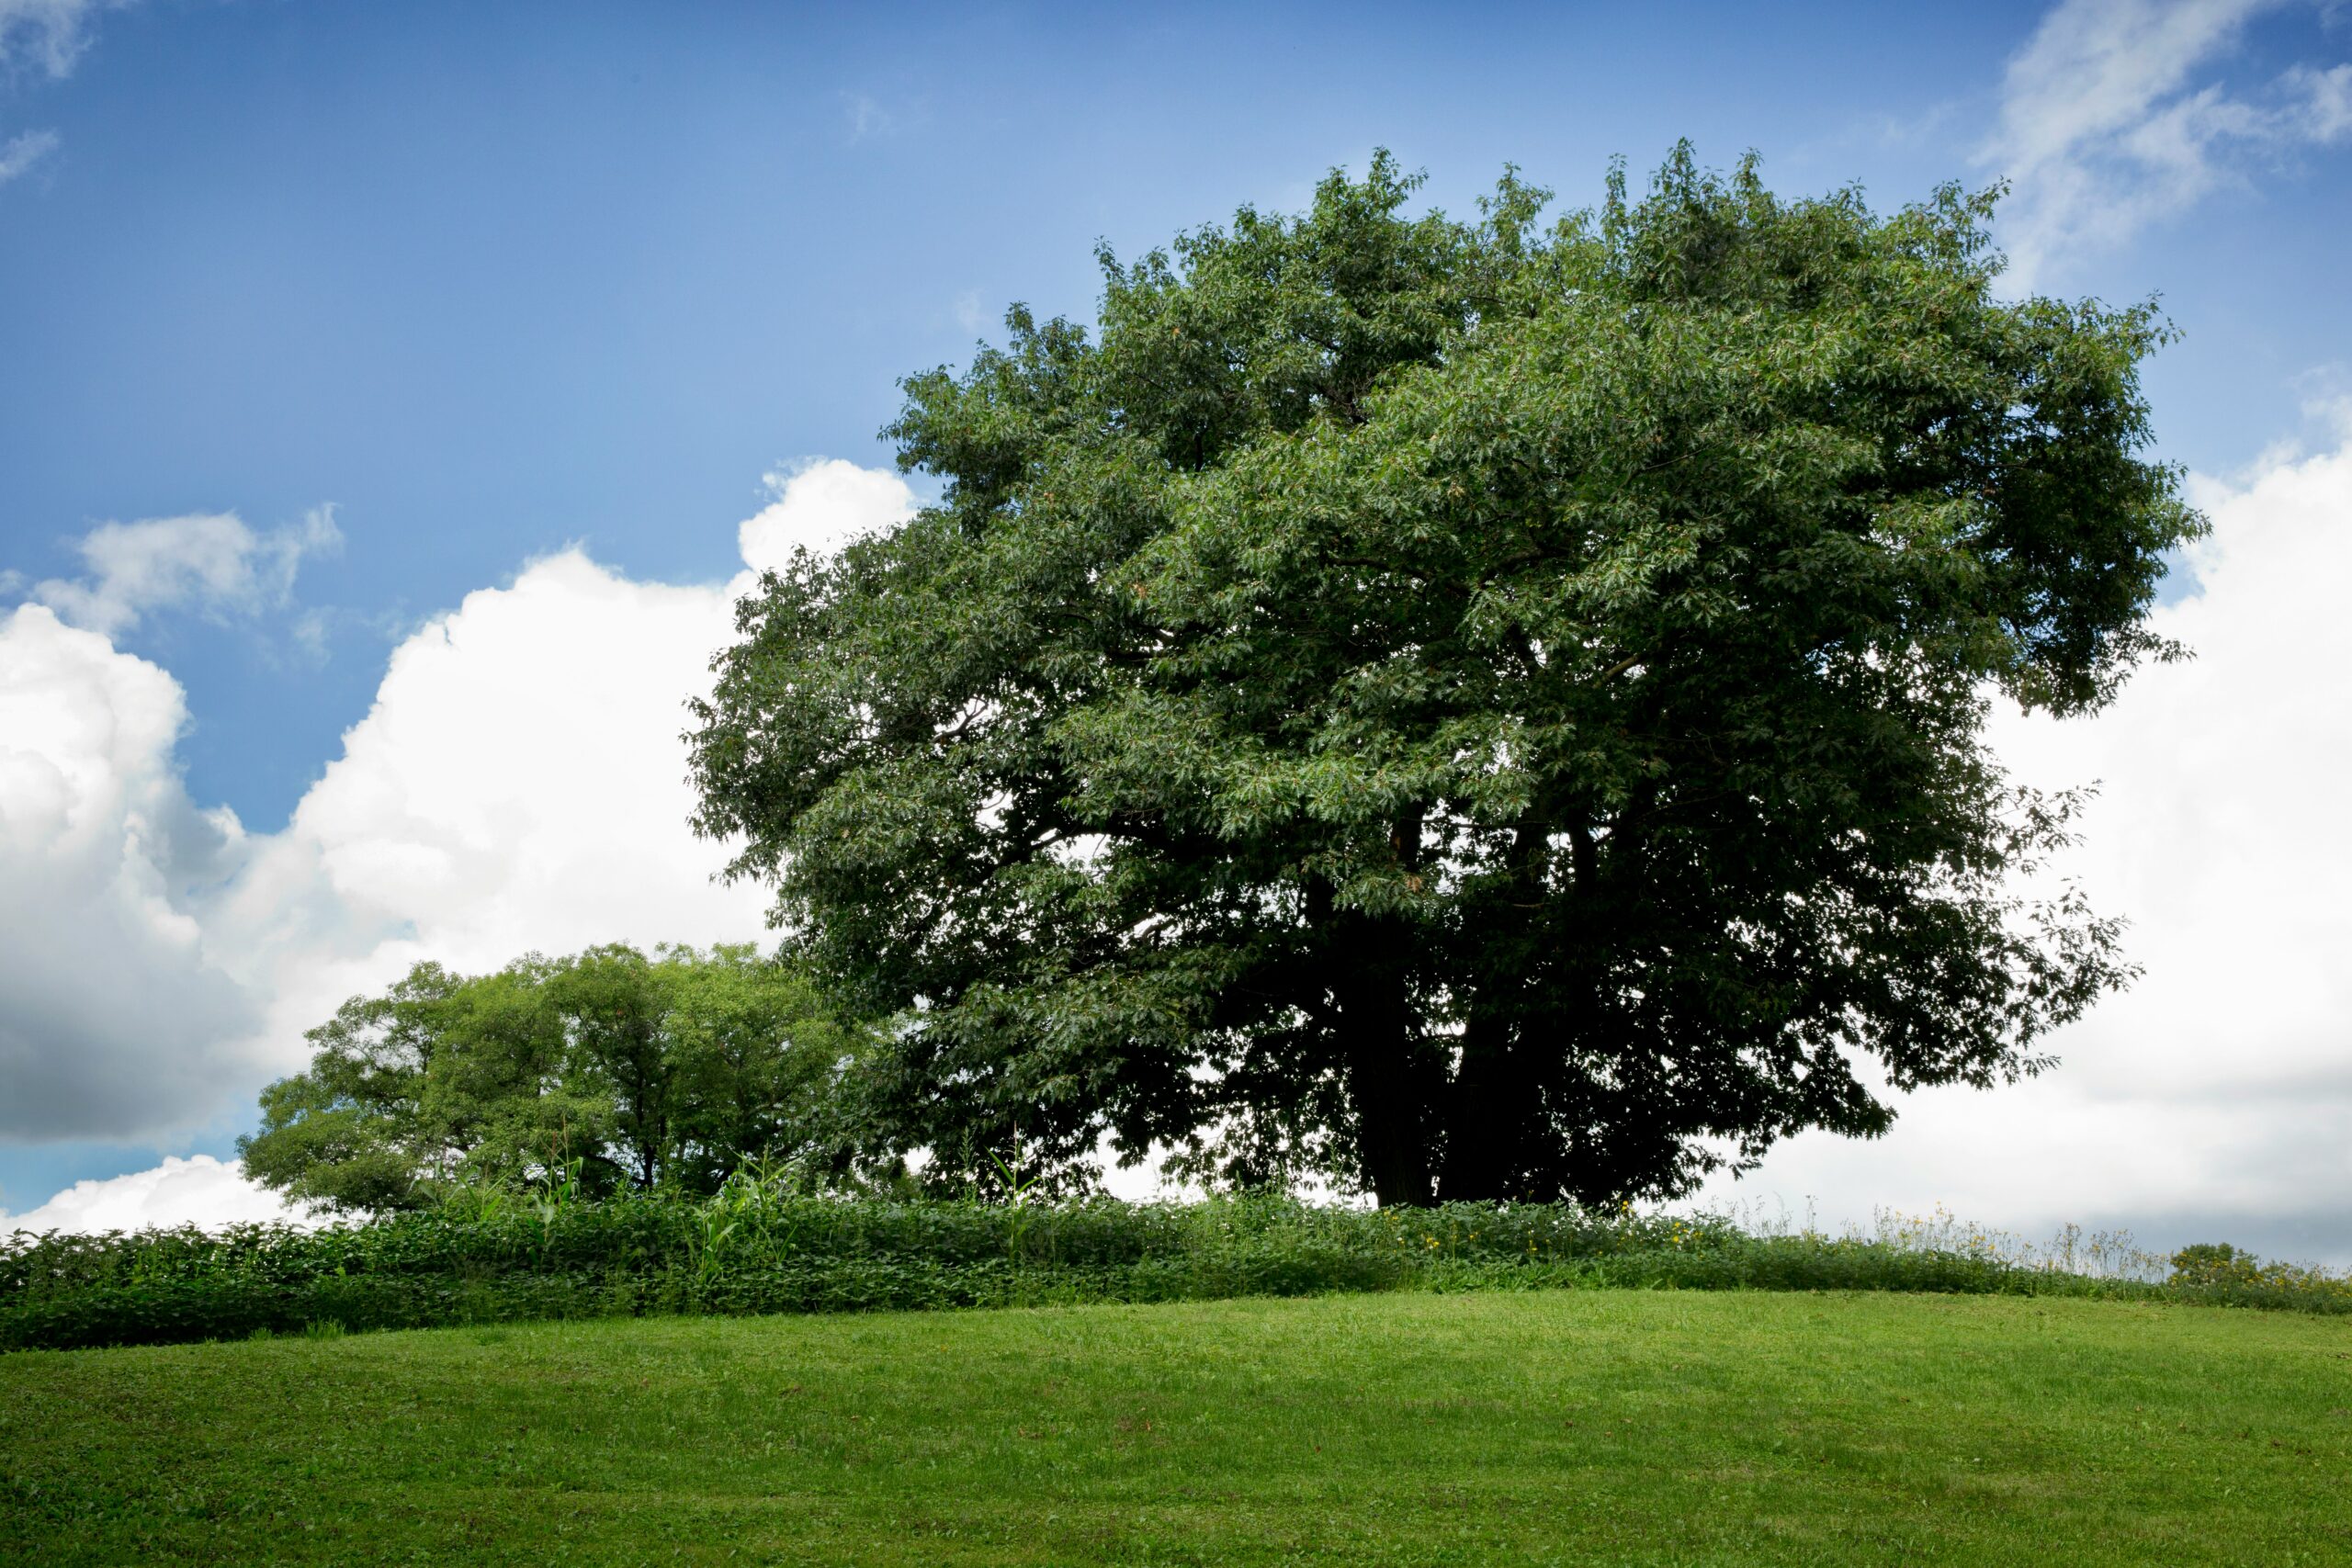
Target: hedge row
(749,1252)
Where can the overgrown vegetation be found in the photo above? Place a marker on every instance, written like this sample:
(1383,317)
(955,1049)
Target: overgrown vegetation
(491,1255)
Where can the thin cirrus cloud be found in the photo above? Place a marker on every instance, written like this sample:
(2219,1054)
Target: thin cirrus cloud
(2110,119)
(50,34)
(21,153)
(864,117)
(48,37)
(519,783)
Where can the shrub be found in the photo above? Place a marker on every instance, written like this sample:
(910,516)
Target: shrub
(2213,1263)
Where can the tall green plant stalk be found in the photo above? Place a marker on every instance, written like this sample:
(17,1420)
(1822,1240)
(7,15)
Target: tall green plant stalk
(1018,1191)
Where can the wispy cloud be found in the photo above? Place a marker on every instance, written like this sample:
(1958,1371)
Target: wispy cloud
(2105,129)
(46,36)
(20,152)
(210,562)
(866,116)
(51,34)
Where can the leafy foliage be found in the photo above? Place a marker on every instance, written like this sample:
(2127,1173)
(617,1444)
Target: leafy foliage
(607,1069)
(1464,709)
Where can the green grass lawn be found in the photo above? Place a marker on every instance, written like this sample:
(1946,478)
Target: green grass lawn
(1566,1427)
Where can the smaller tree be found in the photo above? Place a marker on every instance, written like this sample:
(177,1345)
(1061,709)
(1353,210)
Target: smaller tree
(668,1071)
(353,1133)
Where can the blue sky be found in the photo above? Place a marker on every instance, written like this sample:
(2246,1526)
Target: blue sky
(423,293)
(490,279)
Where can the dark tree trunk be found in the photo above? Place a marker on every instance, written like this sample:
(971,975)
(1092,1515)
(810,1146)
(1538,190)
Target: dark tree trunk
(1481,1113)
(1370,960)
(1492,1101)
(1378,1040)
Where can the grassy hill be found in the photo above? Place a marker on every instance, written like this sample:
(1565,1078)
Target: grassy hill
(1592,1426)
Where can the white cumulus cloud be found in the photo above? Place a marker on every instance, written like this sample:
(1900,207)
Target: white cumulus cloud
(200,1191)
(113,1015)
(519,783)
(822,506)
(2106,124)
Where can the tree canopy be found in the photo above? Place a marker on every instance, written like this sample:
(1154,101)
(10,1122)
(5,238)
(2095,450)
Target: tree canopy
(1473,709)
(645,1072)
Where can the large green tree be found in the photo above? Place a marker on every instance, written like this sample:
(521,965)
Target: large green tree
(1477,709)
(667,1071)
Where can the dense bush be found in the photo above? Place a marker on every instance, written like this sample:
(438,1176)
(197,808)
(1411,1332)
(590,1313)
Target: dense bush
(2223,1275)
(492,1256)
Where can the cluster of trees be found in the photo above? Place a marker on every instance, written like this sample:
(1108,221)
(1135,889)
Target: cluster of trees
(1465,710)
(623,1070)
